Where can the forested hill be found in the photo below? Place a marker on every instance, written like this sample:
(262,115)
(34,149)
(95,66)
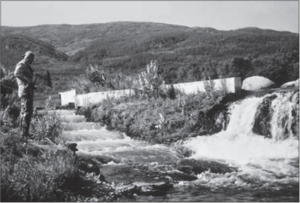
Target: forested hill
(183,53)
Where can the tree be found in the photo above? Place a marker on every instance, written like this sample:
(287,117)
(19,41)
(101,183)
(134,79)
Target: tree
(48,79)
(150,83)
(239,67)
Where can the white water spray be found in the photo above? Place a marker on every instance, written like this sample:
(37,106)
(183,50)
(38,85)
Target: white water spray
(238,144)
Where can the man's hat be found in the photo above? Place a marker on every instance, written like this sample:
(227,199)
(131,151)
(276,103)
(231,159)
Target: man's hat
(28,53)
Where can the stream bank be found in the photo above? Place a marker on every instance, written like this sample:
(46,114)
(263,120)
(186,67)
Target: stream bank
(256,168)
(166,121)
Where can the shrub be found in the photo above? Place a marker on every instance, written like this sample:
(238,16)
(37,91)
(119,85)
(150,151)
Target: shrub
(86,111)
(10,110)
(171,93)
(47,125)
(150,83)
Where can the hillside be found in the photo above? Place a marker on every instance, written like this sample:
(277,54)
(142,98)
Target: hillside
(47,58)
(72,38)
(184,53)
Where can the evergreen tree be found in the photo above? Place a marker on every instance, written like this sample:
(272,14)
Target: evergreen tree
(48,79)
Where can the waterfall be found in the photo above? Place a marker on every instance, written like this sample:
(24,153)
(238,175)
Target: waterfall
(260,160)
(239,144)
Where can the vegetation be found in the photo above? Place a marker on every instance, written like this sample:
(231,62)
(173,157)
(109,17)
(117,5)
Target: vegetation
(185,54)
(33,178)
(31,174)
(10,104)
(44,169)
(116,54)
(98,79)
(150,83)
(162,118)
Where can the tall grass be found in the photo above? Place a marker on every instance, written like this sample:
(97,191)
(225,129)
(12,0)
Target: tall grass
(47,125)
(30,175)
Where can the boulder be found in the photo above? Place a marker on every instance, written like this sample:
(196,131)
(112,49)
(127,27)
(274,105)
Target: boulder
(192,166)
(291,84)
(72,147)
(255,83)
(158,188)
(127,190)
(263,116)
(89,166)
(144,188)
(100,158)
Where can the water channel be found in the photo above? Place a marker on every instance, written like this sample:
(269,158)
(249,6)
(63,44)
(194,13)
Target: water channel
(267,169)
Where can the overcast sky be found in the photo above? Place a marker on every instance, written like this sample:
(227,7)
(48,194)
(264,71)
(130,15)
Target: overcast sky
(221,15)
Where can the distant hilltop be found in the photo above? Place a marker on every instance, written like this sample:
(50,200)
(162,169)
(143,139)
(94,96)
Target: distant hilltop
(184,53)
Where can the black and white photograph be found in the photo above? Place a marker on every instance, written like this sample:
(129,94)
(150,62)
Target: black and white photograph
(149,101)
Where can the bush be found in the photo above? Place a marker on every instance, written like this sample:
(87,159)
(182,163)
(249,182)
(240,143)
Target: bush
(171,93)
(47,125)
(164,119)
(150,83)
(86,111)
(10,108)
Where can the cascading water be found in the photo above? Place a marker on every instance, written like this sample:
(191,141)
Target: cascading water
(262,162)
(239,144)
(266,169)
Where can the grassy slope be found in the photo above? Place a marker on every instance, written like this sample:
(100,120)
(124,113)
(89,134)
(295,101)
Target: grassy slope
(69,38)
(129,46)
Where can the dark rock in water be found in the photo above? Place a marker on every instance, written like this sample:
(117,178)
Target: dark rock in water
(127,190)
(287,115)
(127,174)
(295,114)
(89,166)
(99,158)
(158,188)
(263,117)
(192,166)
(179,176)
(144,188)
(72,147)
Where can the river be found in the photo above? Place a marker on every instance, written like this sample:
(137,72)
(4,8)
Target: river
(266,169)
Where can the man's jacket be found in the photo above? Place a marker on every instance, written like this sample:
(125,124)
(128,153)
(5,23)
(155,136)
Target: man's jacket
(24,75)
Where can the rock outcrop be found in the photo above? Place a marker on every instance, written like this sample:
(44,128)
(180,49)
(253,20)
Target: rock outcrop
(277,117)
(263,115)
(291,84)
(255,83)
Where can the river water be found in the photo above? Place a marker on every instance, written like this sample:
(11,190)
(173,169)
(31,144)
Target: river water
(267,169)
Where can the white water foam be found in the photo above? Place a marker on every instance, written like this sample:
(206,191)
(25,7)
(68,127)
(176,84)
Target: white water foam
(81,126)
(128,150)
(72,118)
(256,156)
(238,143)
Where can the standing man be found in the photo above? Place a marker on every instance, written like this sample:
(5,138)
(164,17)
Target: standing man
(24,75)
